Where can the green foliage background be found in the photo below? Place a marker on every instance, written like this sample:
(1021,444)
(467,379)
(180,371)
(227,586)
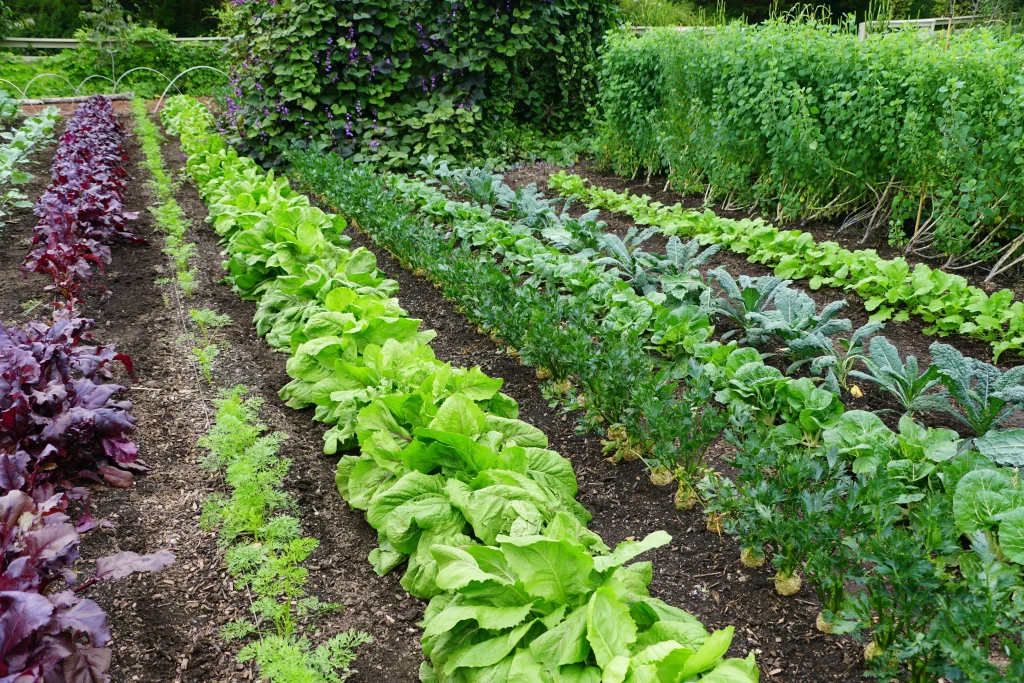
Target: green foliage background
(159,53)
(802,119)
(60,18)
(393,80)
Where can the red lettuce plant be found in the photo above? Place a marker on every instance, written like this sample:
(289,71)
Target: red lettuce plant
(59,419)
(82,211)
(44,630)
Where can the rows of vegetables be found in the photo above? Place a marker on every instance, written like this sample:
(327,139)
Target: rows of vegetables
(913,142)
(64,421)
(891,288)
(911,536)
(463,493)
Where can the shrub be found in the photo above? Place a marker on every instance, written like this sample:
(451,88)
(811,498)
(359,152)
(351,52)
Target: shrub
(803,119)
(391,81)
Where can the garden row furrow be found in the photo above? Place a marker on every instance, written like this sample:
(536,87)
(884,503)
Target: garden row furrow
(258,526)
(890,288)
(849,494)
(64,423)
(460,490)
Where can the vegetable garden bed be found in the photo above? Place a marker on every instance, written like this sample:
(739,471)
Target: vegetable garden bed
(168,626)
(907,335)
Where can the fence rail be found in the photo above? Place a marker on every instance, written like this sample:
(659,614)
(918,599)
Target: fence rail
(71,43)
(933,25)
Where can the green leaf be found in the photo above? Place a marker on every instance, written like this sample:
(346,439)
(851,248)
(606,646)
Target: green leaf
(1004,447)
(488,652)
(611,630)
(517,431)
(406,488)
(556,571)
(486,616)
(1011,534)
(457,568)
(526,669)
(616,670)
(690,634)
(734,671)
(459,415)
(979,498)
(564,644)
(710,652)
(627,550)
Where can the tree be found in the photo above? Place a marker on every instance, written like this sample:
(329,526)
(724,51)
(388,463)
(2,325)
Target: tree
(107,26)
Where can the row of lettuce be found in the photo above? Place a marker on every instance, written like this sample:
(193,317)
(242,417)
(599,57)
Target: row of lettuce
(460,490)
(915,141)
(916,518)
(890,288)
(64,422)
(15,150)
(258,528)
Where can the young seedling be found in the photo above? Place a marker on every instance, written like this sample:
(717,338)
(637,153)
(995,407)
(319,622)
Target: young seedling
(207,320)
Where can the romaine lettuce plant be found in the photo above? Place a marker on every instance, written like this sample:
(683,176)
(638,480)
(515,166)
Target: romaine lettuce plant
(541,608)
